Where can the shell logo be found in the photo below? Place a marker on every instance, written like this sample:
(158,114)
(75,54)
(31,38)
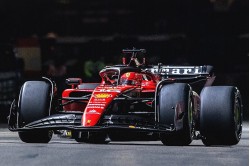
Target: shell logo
(102,95)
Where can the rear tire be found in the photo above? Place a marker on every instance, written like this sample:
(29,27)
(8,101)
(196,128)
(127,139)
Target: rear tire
(34,104)
(221,115)
(176,99)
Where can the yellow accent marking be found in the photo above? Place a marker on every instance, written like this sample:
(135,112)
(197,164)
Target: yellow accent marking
(68,133)
(131,127)
(127,74)
(102,95)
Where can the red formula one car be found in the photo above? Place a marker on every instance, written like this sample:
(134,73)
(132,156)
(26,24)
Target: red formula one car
(134,101)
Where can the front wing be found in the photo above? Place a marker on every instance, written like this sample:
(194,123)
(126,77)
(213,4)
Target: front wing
(73,122)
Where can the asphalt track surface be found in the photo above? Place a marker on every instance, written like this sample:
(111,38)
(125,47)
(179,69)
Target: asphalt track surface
(67,152)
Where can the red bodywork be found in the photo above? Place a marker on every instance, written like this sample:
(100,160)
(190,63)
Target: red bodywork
(104,94)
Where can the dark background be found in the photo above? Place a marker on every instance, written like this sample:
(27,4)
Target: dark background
(196,32)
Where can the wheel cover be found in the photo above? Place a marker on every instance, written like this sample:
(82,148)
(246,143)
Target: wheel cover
(190,117)
(238,118)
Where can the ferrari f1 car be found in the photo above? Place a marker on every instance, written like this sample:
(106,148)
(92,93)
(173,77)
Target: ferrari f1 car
(134,101)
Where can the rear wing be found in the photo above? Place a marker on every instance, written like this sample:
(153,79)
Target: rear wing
(134,50)
(181,71)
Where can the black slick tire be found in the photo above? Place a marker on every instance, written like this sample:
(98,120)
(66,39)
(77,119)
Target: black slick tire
(34,104)
(176,109)
(221,115)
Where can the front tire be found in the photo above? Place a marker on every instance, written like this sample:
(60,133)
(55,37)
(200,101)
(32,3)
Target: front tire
(221,115)
(176,109)
(36,137)
(34,104)
(91,137)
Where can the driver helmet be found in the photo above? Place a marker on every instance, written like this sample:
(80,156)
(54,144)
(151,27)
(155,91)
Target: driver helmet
(130,78)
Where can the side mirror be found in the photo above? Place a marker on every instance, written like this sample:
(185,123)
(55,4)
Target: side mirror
(73,82)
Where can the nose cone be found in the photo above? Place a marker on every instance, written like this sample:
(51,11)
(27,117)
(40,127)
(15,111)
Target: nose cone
(99,101)
(90,119)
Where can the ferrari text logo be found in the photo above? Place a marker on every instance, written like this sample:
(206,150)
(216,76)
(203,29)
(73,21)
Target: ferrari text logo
(185,70)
